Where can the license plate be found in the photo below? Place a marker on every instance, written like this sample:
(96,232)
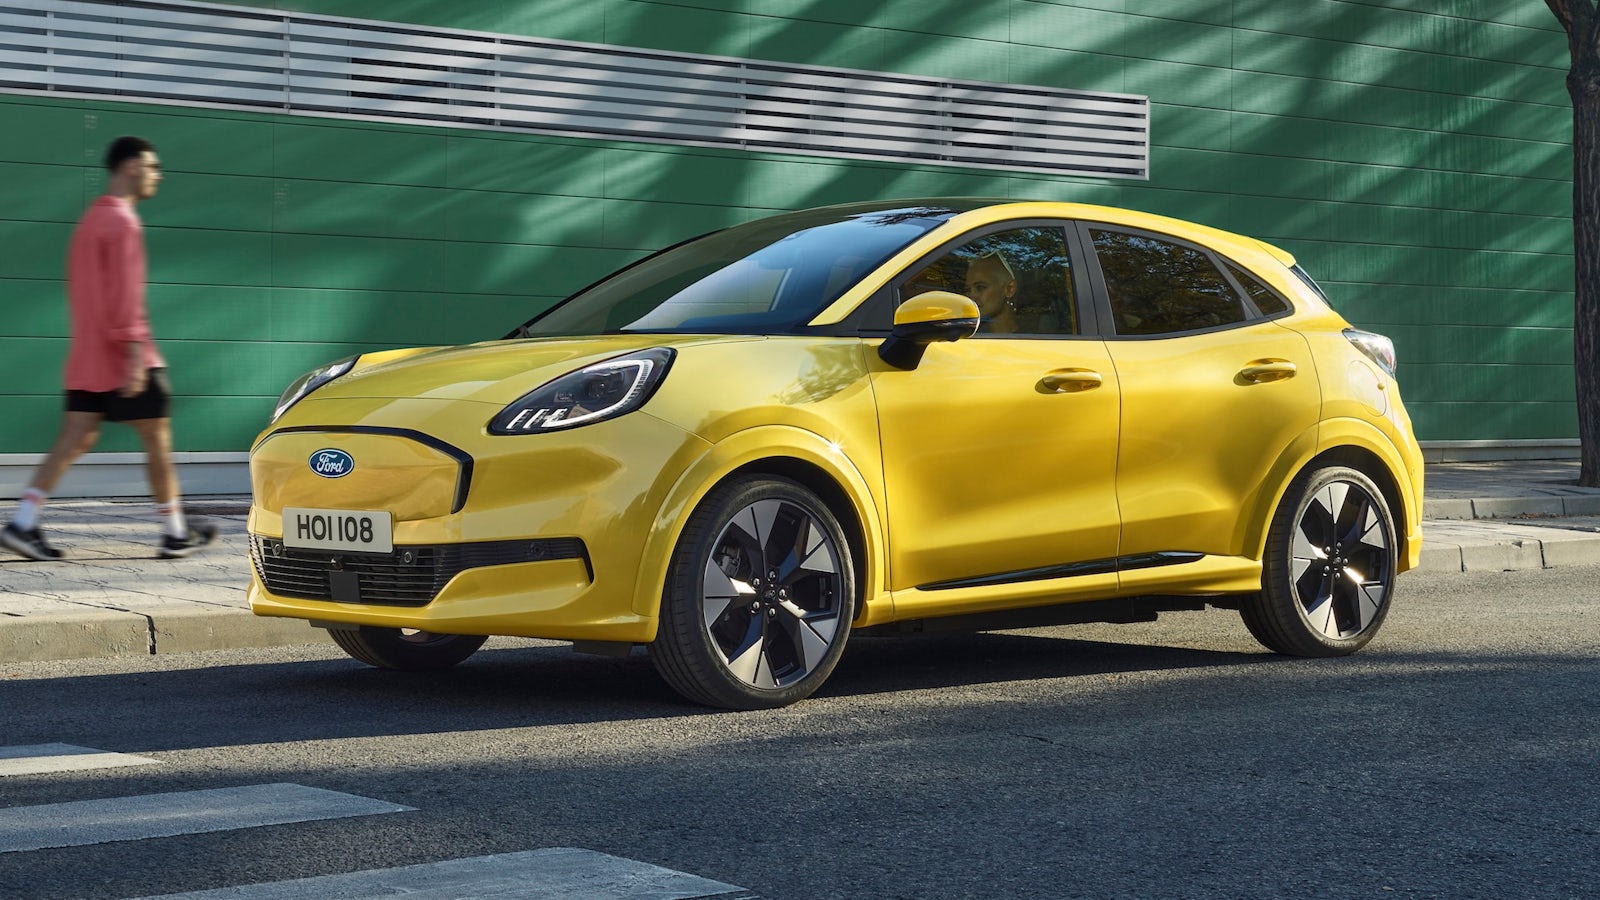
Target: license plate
(338,529)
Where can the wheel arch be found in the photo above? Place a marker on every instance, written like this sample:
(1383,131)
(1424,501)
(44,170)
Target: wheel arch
(1391,460)
(1360,446)
(785,452)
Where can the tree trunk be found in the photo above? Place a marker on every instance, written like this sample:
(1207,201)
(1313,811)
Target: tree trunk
(1582,23)
(1586,260)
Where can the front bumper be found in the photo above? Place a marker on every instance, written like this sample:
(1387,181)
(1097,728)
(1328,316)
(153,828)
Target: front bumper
(534,536)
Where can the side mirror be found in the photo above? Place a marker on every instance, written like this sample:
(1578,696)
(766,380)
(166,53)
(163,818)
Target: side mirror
(925,318)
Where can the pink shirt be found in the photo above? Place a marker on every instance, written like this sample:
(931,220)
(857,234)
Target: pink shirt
(105,290)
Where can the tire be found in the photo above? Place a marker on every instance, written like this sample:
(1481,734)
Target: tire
(406,649)
(759,597)
(1329,569)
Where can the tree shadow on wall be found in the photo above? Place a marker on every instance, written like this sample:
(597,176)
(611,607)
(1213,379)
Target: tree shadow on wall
(1405,179)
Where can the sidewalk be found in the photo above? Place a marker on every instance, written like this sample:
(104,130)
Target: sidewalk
(112,596)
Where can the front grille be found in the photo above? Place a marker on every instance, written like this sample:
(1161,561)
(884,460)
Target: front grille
(408,576)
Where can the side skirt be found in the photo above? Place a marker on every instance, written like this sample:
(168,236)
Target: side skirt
(1119,610)
(1072,570)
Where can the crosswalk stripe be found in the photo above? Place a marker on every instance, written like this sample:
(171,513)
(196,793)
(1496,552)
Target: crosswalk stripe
(555,872)
(85,822)
(40,759)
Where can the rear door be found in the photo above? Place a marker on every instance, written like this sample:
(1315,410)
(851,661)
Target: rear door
(1213,389)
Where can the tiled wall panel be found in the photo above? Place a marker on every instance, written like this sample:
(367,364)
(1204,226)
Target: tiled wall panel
(1414,154)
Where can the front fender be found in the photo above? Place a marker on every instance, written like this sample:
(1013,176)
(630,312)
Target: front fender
(749,448)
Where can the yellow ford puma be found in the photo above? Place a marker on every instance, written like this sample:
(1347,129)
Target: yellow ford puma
(895,416)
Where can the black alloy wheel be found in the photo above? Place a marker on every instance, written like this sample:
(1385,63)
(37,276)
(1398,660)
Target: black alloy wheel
(1330,565)
(759,599)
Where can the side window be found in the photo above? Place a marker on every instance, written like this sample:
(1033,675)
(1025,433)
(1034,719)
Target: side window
(1157,286)
(1265,298)
(1021,280)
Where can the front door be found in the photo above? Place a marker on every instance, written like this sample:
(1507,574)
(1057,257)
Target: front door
(1000,449)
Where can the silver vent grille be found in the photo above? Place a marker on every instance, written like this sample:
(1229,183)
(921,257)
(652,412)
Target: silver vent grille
(213,55)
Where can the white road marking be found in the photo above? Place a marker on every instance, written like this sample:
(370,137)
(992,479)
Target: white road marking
(85,822)
(555,872)
(39,759)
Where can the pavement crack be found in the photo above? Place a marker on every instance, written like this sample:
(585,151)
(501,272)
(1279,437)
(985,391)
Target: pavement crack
(150,631)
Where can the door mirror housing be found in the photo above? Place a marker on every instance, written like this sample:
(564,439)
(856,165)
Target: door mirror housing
(924,319)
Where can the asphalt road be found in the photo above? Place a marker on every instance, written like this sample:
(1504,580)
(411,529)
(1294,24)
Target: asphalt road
(1458,756)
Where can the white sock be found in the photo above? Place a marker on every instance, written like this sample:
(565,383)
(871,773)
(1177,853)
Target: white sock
(172,515)
(27,515)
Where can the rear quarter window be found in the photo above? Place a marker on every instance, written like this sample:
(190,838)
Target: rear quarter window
(1266,300)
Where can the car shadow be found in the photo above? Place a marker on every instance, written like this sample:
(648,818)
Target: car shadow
(322,697)
(877,665)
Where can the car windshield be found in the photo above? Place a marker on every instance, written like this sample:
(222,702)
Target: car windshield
(770,276)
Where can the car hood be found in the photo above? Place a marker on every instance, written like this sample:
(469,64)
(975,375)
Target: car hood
(496,372)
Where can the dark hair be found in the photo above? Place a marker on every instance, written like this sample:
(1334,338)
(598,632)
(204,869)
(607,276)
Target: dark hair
(125,148)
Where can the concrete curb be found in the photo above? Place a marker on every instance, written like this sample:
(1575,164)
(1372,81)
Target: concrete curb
(1510,507)
(1477,546)
(73,636)
(110,632)
(185,631)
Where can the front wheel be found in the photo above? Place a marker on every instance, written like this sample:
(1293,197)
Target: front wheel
(759,597)
(406,648)
(1329,569)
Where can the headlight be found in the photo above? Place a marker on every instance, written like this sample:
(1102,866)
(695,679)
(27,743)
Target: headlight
(309,382)
(594,393)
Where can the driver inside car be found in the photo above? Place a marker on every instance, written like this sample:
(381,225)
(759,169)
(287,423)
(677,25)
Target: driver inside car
(993,286)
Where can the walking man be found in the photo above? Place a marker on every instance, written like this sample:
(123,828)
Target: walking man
(113,372)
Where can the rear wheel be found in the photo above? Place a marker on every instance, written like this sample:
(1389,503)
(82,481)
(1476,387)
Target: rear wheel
(406,649)
(759,598)
(1329,568)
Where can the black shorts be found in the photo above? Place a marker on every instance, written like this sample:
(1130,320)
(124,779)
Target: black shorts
(154,403)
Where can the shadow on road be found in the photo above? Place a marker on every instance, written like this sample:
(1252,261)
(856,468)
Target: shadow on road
(321,699)
(883,665)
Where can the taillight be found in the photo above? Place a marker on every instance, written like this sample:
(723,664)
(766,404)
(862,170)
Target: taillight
(1378,348)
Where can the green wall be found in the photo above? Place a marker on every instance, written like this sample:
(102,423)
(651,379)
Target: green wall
(1415,156)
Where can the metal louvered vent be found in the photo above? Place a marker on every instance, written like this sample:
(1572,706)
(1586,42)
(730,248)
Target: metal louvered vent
(212,55)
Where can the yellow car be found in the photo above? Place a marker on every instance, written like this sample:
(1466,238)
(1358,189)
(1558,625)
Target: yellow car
(880,417)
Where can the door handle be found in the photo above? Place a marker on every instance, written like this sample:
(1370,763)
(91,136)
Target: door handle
(1070,381)
(1264,370)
